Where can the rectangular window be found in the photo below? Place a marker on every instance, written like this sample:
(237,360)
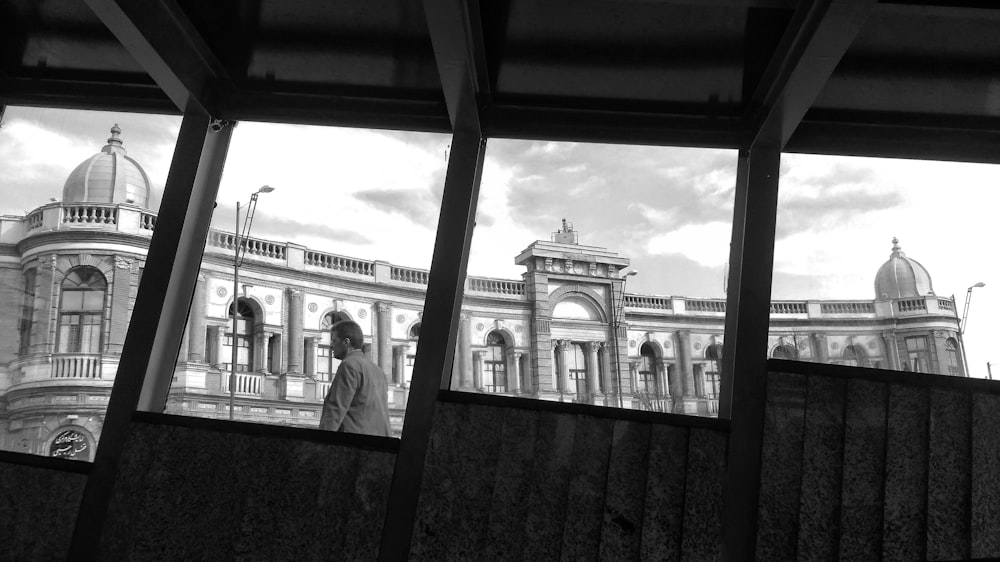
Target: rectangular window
(60,167)
(918,355)
(857,271)
(578,222)
(368,265)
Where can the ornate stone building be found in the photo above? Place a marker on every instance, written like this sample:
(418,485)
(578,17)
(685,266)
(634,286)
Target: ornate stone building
(566,331)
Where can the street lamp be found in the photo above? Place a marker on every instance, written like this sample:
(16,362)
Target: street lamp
(239,254)
(961,324)
(617,311)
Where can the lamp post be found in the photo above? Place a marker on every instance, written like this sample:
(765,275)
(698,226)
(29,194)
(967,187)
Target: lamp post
(962,323)
(617,310)
(237,262)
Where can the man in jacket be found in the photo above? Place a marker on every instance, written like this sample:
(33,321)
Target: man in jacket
(357,401)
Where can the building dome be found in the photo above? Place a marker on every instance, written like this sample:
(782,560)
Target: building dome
(109,176)
(902,277)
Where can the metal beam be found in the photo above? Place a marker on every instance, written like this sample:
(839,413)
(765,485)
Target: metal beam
(160,288)
(80,94)
(525,121)
(453,25)
(816,39)
(457,38)
(166,44)
(369,110)
(744,361)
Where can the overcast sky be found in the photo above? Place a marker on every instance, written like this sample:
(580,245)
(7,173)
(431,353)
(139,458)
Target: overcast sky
(376,195)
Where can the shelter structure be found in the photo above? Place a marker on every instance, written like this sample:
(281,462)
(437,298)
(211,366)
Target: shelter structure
(804,458)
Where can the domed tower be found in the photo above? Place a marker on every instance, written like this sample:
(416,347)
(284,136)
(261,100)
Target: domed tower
(902,277)
(109,176)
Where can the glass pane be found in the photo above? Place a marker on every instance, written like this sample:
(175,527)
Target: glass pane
(875,265)
(562,232)
(347,233)
(85,186)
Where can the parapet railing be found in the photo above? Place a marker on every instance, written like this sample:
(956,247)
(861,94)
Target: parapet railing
(496,286)
(409,275)
(76,366)
(339,263)
(135,220)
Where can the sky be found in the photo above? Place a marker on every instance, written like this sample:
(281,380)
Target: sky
(376,195)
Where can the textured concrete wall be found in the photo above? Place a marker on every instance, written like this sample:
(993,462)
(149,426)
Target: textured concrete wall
(505,483)
(873,467)
(196,494)
(38,509)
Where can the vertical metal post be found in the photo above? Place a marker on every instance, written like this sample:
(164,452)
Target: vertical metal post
(164,295)
(431,370)
(236,315)
(744,358)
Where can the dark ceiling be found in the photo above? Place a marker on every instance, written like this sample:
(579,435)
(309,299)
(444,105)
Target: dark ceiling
(904,79)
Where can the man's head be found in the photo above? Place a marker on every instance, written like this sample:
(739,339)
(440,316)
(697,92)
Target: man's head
(345,336)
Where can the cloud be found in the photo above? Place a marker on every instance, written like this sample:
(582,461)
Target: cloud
(705,244)
(414,204)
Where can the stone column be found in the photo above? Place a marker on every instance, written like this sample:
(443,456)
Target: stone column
(606,383)
(590,355)
(477,370)
(514,372)
(563,365)
(220,346)
(196,323)
(383,320)
(309,361)
(662,385)
(819,343)
(684,358)
(699,380)
(889,343)
(294,330)
(465,352)
(260,351)
(398,364)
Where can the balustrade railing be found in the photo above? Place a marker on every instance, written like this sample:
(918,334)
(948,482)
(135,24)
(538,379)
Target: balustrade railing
(35,220)
(656,303)
(147,221)
(847,308)
(692,305)
(407,275)
(946,304)
(785,307)
(339,263)
(322,387)
(496,286)
(248,384)
(912,305)
(90,214)
(76,366)
(252,246)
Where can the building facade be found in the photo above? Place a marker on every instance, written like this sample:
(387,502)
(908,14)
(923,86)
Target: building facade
(567,331)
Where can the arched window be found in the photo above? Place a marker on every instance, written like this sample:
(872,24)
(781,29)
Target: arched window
(647,370)
(81,311)
(712,369)
(244,338)
(326,363)
(27,311)
(784,352)
(951,357)
(495,363)
(855,356)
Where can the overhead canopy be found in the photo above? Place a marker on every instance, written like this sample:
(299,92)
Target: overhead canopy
(900,79)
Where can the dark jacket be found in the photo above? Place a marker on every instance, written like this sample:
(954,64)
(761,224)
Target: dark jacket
(358,398)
